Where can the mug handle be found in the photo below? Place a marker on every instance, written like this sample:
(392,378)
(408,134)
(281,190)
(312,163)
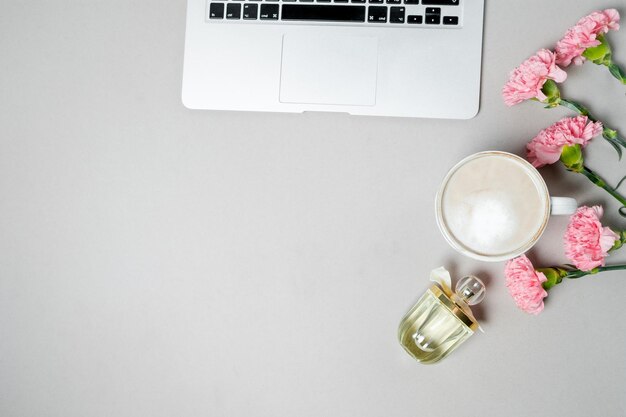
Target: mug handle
(562,206)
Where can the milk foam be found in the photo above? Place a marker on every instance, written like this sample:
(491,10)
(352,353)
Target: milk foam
(492,206)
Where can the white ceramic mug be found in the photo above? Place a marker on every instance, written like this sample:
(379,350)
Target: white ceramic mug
(493,206)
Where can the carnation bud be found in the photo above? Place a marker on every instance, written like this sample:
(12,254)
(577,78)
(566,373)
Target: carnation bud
(554,276)
(600,54)
(620,241)
(551,91)
(572,157)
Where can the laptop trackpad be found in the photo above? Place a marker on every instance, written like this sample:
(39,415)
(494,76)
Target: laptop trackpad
(329,70)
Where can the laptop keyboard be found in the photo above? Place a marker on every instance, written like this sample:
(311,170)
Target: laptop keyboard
(425,13)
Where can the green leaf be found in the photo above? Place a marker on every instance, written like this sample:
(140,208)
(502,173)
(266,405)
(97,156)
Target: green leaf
(615,145)
(617,72)
(620,182)
(619,140)
(574,106)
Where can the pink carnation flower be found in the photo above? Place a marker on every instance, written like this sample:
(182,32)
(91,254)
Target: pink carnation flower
(584,35)
(525,284)
(586,242)
(527,80)
(547,146)
(603,20)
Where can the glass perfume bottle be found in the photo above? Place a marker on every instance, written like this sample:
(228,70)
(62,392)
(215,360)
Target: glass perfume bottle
(441,320)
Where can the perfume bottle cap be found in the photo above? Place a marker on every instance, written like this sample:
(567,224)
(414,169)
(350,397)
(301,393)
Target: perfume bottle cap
(456,305)
(470,289)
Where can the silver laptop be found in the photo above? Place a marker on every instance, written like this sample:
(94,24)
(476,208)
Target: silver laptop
(412,58)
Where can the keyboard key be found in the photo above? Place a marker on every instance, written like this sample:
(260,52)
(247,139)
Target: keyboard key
(411,2)
(440,2)
(250,11)
(233,11)
(216,11)
(306,1)
(396,15)
(341,1)
(377,14)
(450,20)
(269,12)
(321,1)
(433,10)
(394,1)
(358,1)
(339,13)
(376,1)
(433,19)
(416,20)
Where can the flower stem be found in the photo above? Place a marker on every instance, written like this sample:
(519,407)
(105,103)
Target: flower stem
(556,274)
(579,274)
(594,178)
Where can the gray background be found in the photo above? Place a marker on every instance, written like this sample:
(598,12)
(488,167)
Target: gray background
(157,261)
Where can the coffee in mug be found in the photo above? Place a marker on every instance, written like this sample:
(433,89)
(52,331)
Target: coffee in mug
(494,206)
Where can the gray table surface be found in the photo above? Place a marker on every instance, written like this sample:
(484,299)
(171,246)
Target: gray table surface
(157,261)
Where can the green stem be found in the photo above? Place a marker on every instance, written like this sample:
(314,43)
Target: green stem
(579,274)
(556,274)
(593,177)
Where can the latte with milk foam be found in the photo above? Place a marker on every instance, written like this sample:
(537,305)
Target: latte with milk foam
(493,205)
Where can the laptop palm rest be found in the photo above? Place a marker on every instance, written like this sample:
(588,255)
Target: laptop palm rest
(329,70)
